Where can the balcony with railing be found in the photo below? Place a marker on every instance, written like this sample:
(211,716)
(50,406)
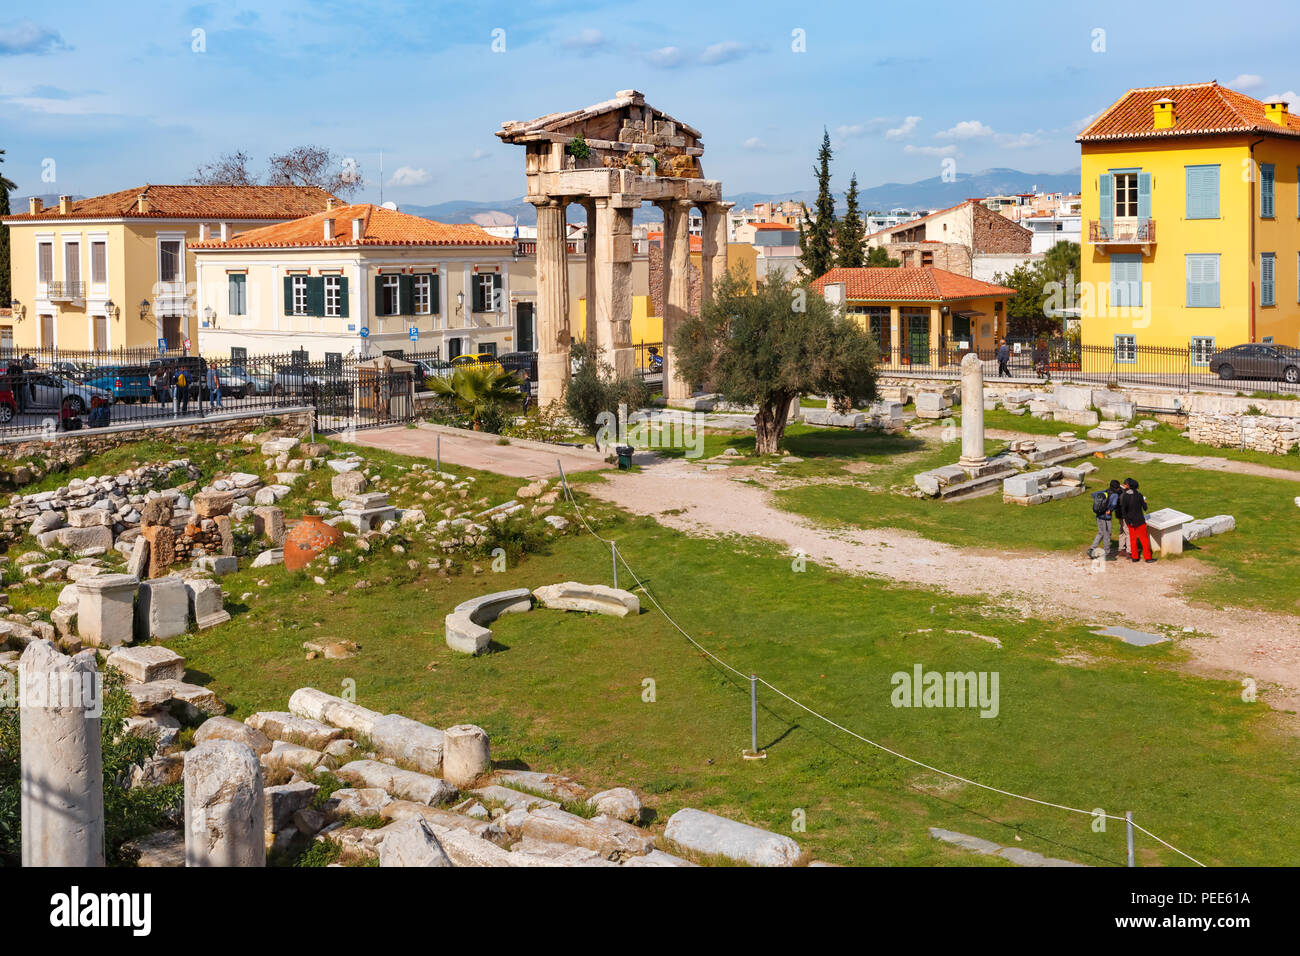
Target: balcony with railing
(65,291)
(1122,232)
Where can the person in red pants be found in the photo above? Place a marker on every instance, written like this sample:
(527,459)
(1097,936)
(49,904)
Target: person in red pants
(1134,507)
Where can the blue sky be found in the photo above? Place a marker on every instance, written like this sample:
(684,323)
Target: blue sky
(116,95)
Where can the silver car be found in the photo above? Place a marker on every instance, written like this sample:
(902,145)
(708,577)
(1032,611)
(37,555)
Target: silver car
(47,391)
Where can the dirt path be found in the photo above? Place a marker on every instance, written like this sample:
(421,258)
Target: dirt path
(1209,463)
(1257,644)
(475,451)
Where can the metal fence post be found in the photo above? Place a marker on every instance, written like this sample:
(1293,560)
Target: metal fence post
(753,713)
(613,553)
(1128,827)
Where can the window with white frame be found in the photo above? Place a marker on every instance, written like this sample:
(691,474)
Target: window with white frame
(332,288)
(488,286)
(1202,348)
(1126,348)
(1126,195)
(389,302)
(299,295)
(45,262)
(99,262)
(169,260)
(422,292)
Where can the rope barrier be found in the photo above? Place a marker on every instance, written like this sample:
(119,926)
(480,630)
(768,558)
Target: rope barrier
(822,717)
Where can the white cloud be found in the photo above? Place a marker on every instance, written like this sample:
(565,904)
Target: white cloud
(408,176)
(966,129)
(754,143)
(1246,81)
(909,124)
(850,130)
(724,52)
(1290,96)
(948,150)
(27,36)
(1081,124)
(586,39)
(1018,140)
(667,56)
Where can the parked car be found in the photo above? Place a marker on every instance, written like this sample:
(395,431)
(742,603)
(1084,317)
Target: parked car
(477,360)
(239,381)
(48,392)
(519,362)
(8,405)
(127,383)
(75,371)
(1257,360)
(295,380)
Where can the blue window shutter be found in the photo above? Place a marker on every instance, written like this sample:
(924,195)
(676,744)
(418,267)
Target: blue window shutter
(1202,192)
(1203,281)
(1212,281)
(1194,282)
(1144,195)
(1106,188)
(1126,280)
(1266,190)
(1266,279)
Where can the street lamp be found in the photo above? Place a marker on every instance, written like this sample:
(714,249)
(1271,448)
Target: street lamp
(144,308)
(113,309)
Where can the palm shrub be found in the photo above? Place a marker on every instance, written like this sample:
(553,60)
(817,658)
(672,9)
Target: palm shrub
(481,394)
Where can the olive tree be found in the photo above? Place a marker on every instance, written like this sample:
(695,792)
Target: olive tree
(767,345)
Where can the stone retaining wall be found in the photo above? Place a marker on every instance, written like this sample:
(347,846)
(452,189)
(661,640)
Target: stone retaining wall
(1266,433)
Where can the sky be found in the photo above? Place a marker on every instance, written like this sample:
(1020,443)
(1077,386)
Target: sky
(97,96)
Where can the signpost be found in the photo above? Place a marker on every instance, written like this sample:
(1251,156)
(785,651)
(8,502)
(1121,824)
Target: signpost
(365,331)
(162,346)
(414,333)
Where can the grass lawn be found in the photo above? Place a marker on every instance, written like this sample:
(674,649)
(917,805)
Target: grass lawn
(564,692)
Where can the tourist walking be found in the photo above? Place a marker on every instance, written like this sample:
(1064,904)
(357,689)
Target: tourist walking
(214,389)
(1104,505)
(1134,508)
(1004,360)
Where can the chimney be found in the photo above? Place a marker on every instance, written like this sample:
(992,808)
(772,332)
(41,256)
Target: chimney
(65,205)
(1276,112)
(357,225)
(328,230)
(203,232)
(1162,114)
(225,231)
(34,205)
(142,203)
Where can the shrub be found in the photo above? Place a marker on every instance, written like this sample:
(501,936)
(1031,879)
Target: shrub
(595,389)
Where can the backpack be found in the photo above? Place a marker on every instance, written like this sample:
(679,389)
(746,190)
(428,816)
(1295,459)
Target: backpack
(180,380)
(1100,503)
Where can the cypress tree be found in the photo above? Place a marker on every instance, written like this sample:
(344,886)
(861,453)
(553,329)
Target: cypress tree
(850,239)
(817,241)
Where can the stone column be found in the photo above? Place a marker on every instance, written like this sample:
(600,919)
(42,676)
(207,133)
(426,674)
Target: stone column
(676,291)
(590,245)
(552,301)
(713,262)
(972,411)
(466,755)
(106,608)
(613,285)
(62,796)
(224,806)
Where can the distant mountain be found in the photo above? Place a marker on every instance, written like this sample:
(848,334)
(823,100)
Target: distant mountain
(19,203)
(933,193)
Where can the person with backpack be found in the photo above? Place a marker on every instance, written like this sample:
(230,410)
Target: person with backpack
(1134,506)
(1104,504)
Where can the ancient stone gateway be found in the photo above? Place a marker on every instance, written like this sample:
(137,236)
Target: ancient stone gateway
(610,158)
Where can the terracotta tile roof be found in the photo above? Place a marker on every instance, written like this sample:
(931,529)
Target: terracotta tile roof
(923,284)
(193,202)
(773,225)
(1200,109)
(696,243)
(380,227)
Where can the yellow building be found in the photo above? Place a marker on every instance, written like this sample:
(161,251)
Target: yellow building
(116,271)
(1192,235)
(920,316)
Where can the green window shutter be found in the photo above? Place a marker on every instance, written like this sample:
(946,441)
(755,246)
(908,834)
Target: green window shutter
(405,301)
(1267,274)
(478,297)
(1266,190)
(316,296)
(1144,195)
(232,295)
(343,297)
(379,296)
(288,295)
(435,294)
(497,286)
(1106,188)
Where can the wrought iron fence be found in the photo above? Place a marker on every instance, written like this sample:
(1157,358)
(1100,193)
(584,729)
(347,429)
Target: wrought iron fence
(1276,370)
